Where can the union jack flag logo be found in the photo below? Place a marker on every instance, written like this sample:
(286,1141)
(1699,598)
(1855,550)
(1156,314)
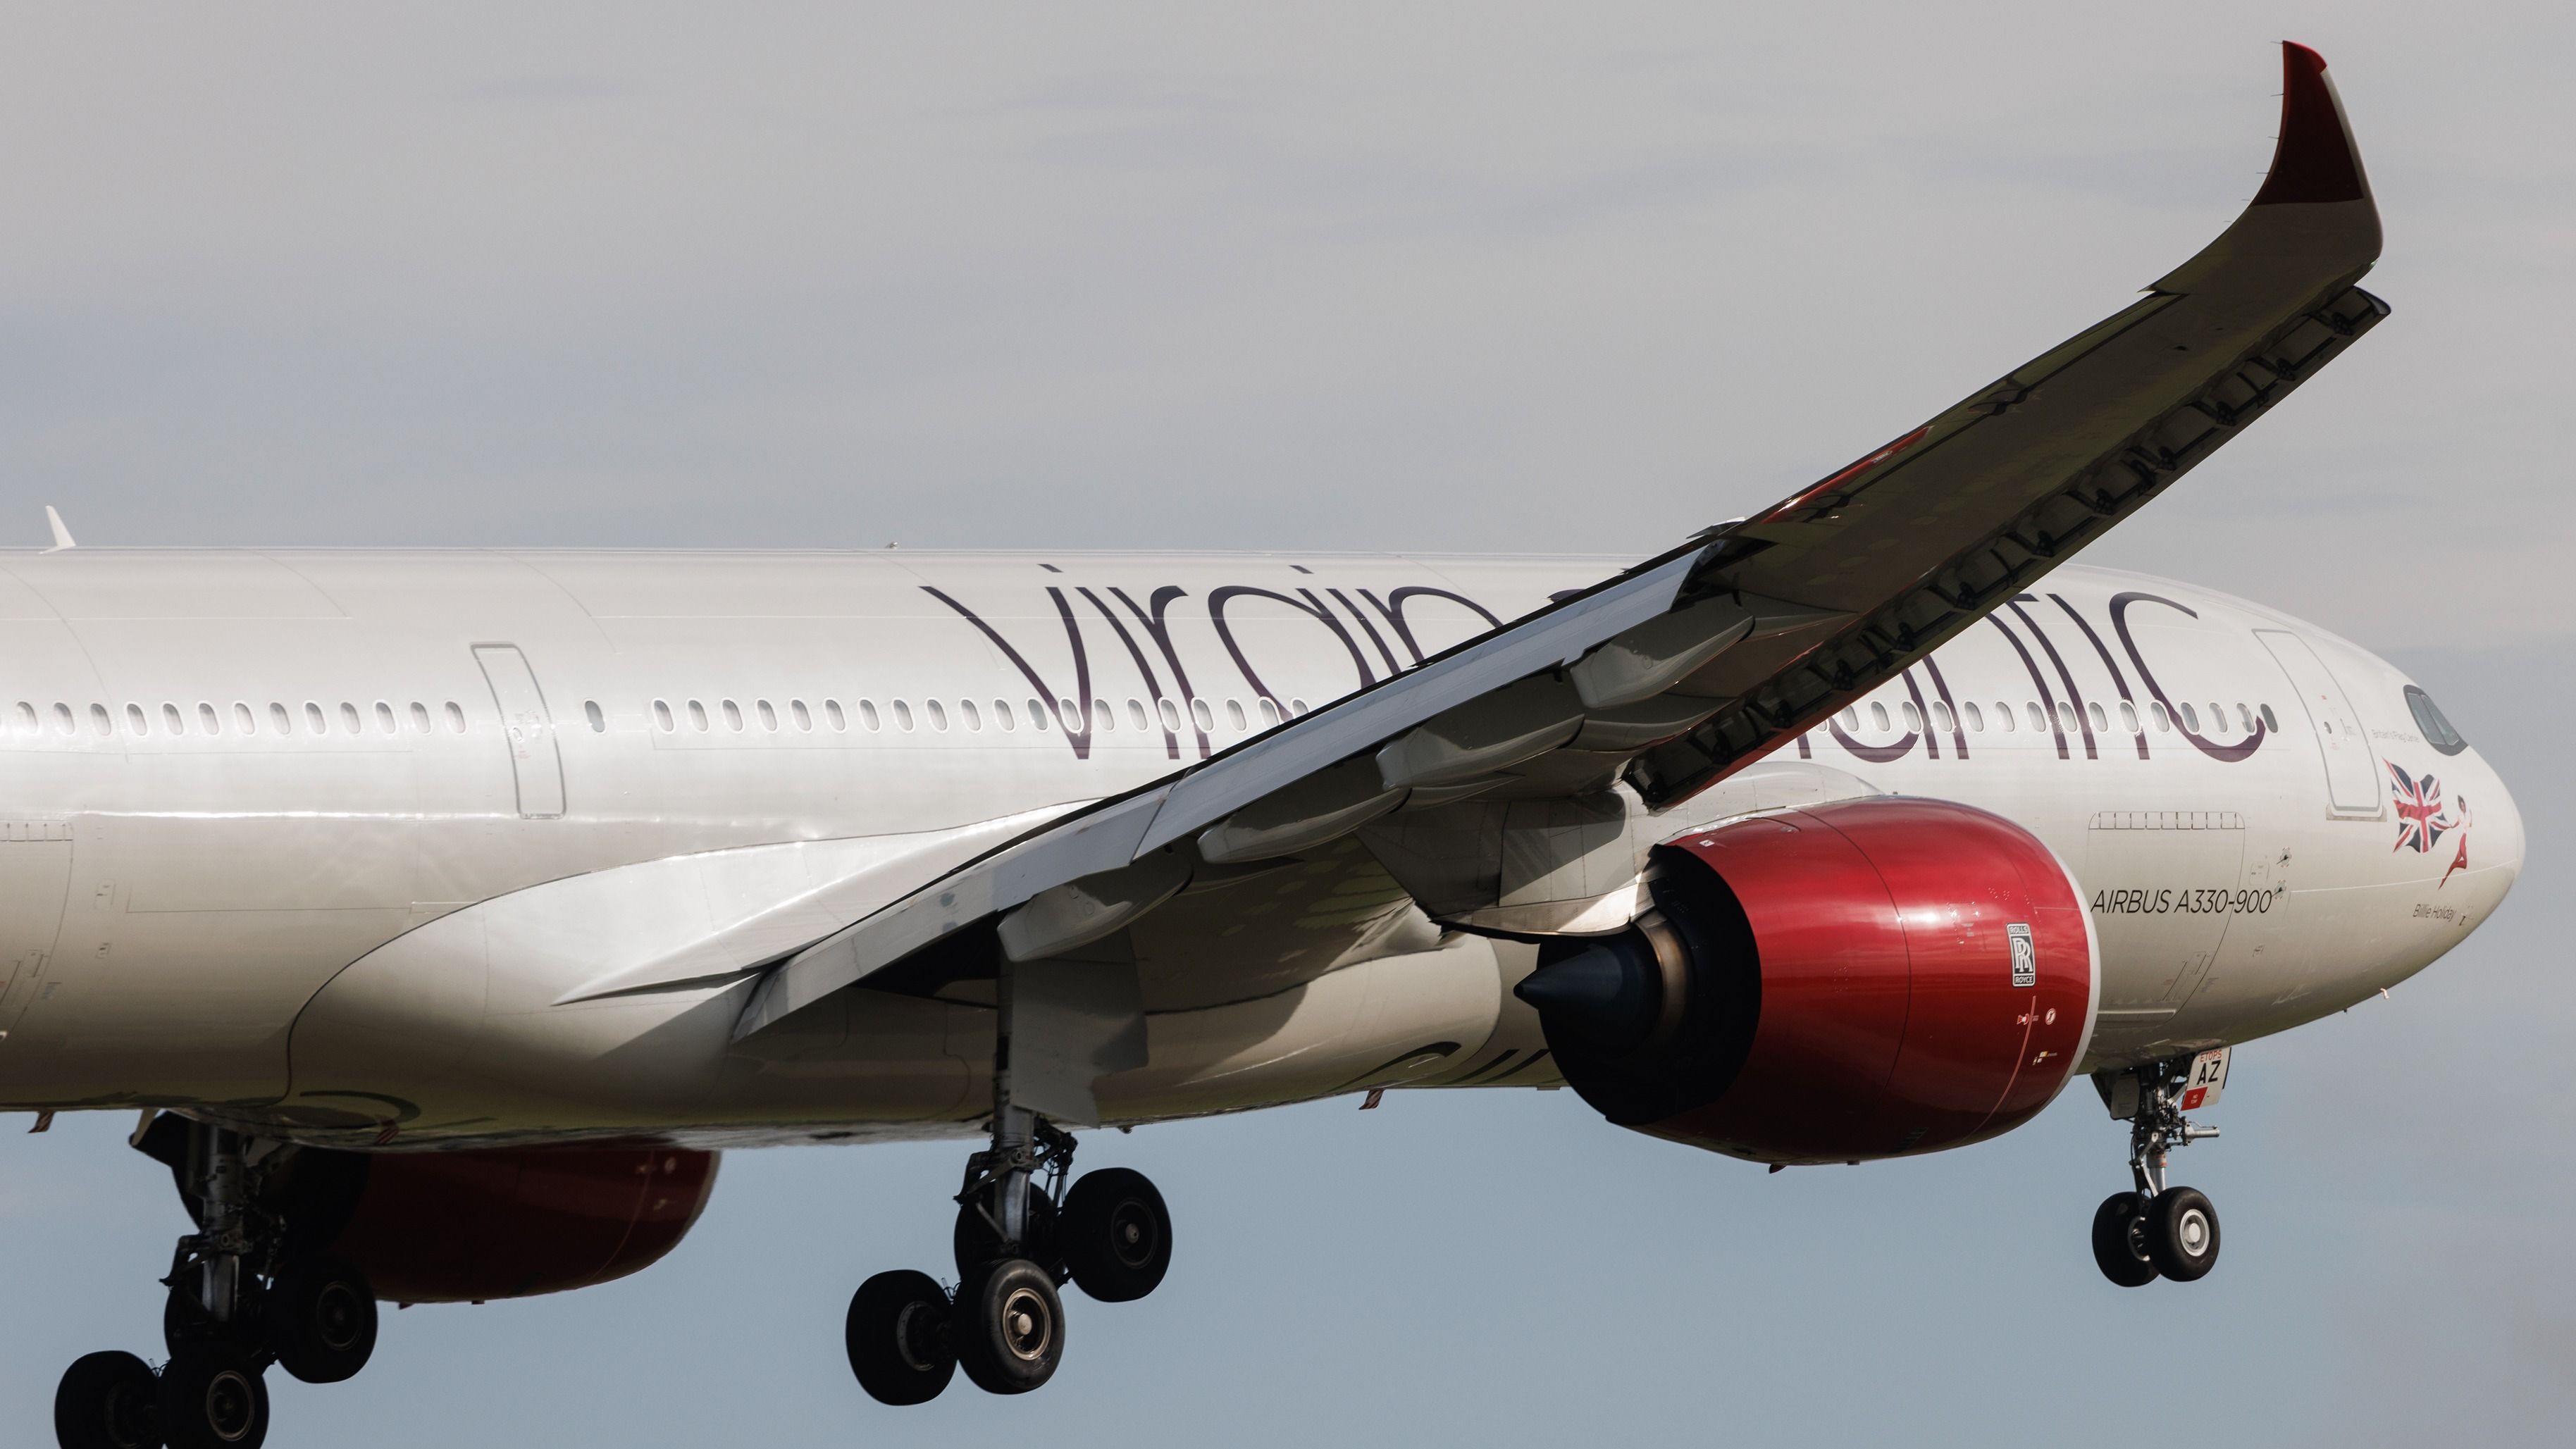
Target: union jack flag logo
(2421,814)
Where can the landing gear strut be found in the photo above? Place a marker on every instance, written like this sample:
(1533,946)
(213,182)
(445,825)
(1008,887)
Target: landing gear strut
(242,1295)
(2156,1230)
(1021,1235)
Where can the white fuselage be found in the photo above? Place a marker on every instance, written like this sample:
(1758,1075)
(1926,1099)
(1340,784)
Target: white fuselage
(225,777)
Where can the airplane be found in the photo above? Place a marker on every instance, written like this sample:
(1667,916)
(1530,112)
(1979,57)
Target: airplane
(444,915)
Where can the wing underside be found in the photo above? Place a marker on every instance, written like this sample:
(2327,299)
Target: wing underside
(1590,726)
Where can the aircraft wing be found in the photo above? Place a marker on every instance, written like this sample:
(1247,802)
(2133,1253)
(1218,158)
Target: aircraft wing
(1630,697)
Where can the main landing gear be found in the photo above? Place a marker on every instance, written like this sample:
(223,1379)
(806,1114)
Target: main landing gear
(2156,1230)
(1021,1235)
(244,1294)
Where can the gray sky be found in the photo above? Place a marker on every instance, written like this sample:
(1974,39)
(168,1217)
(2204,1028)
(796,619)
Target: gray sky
(1467,277)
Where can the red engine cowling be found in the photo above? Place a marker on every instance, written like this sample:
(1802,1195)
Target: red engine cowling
(507,1222)
(1863,979)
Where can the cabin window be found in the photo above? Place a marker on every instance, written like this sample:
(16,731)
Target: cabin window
(2038,717)
(970,716)
(1234,714)
(209,718)
(832,715)
(419,718)
(868,715)
(63,717)
(1037,714)
(768,715)
(1878,716)
(662,716)
(1002,715)
(1976,717)
(697,716)
(315,720)
(27,716)
(2066,721)
(455,718)
(98,720)
(1850,719)
(2217,718)
(732,714)
(938,716)
(172,720)
(348,717)
(1913,716)
(1171,714)
(797,711)
(589,710)
(902,715)
(2164,720)
(1201,715)
(1136,714)
(1269,712)
(1103,718)
(1297,707)
(2269,722)
(1940,716)
(385,717)
(245,718)
(2190,717)
(2129,717)
(2245,718)
(279,719)
(135,721)
(2101,721)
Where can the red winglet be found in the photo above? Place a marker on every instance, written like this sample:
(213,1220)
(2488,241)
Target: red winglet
(2315,159)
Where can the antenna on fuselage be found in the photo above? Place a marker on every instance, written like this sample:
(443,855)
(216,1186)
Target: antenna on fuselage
(62,535)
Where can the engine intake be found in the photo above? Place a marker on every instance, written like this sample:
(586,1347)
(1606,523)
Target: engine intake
(1869,978)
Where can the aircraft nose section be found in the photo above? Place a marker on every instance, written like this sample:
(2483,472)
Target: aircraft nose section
(2500,821)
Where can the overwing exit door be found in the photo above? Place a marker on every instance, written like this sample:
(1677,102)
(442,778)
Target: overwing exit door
(535,760)
(2352,773)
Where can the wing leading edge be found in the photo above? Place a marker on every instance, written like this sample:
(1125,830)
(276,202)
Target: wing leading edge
(1674,674)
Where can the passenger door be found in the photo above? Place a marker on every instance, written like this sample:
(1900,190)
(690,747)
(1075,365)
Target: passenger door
(2352,774)
(535,760)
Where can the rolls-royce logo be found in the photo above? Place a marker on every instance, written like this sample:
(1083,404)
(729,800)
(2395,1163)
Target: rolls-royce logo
(2025,954)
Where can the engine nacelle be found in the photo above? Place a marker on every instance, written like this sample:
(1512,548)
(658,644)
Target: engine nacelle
(1869,978)
(504,1222)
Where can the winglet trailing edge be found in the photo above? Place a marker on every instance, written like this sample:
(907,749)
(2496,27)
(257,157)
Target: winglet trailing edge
(62,535)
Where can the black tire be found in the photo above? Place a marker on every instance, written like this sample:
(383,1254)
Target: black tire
(1115,1234)
(897,1335)
(2182,1234)
(2120,1241)
(212,1398)
(976,1244)
(1008,1326)
(321,1319)
(108,1401)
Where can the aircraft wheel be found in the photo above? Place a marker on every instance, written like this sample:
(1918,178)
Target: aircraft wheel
(897,1335)
(2120,1241)
(321,1319)
(1009,1327)
(107,1401)
(1115,1234)
(2182,1233)
(212,1398)
(976,1243)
